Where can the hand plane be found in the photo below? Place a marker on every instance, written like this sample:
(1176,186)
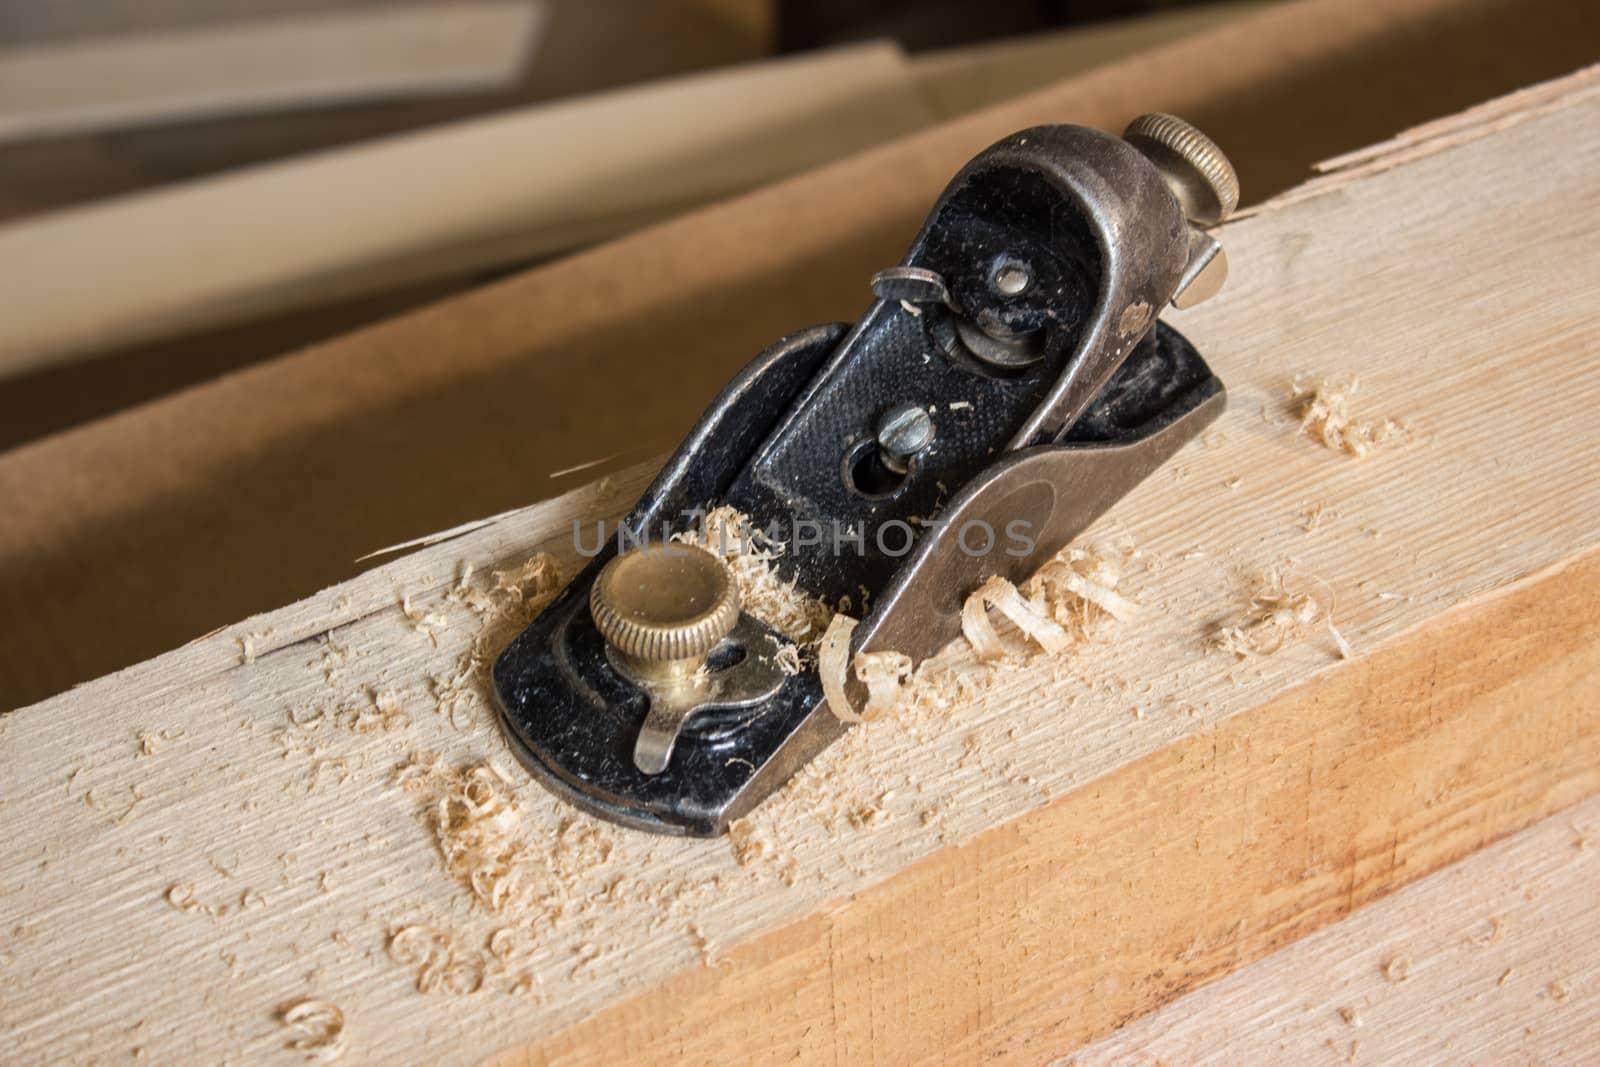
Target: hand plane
(1011,375)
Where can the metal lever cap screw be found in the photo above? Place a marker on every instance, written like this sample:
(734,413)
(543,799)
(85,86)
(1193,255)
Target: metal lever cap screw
(662,608)
(1199,174)
(904,431)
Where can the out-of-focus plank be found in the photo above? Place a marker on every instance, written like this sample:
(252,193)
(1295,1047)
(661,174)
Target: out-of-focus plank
(414,49)
(433,204)
(959,80)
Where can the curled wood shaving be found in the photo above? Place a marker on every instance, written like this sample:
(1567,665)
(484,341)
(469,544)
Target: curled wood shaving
(788,659)
(753,557)
(1283,605)
(1325,416)
(505,604)
(833,653)
(318,1026)
(427,623)
(438,965)
(383,714)
(478,826)
(885,674)
(1063,604)
(1030,618)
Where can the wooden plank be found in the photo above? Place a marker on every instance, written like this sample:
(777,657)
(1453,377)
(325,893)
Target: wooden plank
(1495,959)
(79,86)
(1010,877)
(960,80)
(436,204)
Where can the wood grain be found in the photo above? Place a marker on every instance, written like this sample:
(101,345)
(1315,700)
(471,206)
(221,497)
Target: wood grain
(1493,960)
(82,86)
(1068,848)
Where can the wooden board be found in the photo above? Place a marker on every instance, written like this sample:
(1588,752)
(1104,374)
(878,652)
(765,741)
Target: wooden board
(1493,960)
(437,204)
(960,80)
(419,49)
(1006,878)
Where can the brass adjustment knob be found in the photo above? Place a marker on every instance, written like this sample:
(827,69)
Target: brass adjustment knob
(662,608)
(1199,175)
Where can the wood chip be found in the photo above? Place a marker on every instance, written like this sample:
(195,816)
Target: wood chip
(317,1026)
(1326,417)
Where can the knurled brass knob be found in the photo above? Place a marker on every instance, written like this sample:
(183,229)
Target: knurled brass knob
(662,608)
(1199,175)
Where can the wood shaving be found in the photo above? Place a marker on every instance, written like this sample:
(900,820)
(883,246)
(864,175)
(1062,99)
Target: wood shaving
(381,715)
(427,623)
(1325,416)
(1397,969)
(1079,586)
(477,824)
(1315,516)
(1558,992)
(754,557)
(788,658)
(886,676)
(439,966)
(1028,616)
(1283,605)
(181,896)
(318,1028)
(749,841)
(832,655)
(1493,936)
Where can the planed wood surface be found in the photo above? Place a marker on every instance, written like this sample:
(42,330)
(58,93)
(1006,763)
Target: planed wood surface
(1493,960)
(1065,849)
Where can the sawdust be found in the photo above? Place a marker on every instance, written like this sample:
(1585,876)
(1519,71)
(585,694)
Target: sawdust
(754,559)
(1282,605)
(439,965)
(317,1026)
(504,605)
(1492,936)
(479,828)
(1325,416)
(1315,516)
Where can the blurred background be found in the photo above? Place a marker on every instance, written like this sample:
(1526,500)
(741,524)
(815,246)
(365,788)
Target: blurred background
(286,281)
(103,98)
